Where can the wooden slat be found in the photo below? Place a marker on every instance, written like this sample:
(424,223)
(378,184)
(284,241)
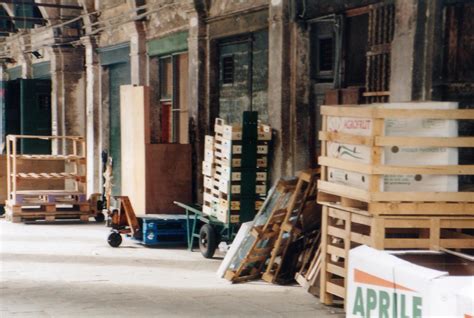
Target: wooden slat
(426,169)
(335,213)
(340,233)
(372,112)
(342,190)
(458,208)
(336,290)
(333,250)
(345,165)
(407,223)
(457,142)
(464,223)
(338,270)
(406,243)
(360,239)
(341,111)
(424,113)
(421,196)
(457,243)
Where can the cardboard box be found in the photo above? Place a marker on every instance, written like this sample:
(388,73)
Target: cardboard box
(393,284)
(394,155)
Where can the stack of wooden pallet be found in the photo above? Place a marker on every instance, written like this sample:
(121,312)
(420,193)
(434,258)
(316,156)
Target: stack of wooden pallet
(29,197)
(273,247)
(224,171)
(371,197)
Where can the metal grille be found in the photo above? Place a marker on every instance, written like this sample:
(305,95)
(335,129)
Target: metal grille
(380,35)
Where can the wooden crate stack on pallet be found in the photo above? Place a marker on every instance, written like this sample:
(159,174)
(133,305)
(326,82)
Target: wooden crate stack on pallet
(389,180)
(37,203)
(224,172)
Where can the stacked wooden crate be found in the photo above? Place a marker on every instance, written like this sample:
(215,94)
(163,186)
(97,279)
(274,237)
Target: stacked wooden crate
(224,173)
(371,197)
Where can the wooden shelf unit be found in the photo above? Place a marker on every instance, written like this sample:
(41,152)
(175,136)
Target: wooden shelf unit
(77,165)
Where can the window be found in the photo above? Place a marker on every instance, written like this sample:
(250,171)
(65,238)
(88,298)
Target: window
(228,69)
(173,84)
(326,54)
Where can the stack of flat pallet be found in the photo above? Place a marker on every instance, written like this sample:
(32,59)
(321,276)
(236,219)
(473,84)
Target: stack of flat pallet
(232,176)
(389,180)
(28,199)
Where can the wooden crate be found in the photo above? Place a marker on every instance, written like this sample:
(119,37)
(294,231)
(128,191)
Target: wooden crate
(374,199)
(344,228)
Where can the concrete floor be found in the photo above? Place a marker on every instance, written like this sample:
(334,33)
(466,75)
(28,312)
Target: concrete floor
(68,270)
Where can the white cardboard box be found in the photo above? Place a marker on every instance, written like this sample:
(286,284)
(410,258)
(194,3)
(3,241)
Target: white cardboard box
(403,156)
(381,284)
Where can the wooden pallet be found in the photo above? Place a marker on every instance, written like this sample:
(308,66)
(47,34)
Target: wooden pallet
(31,197)
(48,211)
(262,237)
(344,228)
(290,228)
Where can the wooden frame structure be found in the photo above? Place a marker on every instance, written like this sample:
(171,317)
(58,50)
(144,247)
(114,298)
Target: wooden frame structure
(19,202)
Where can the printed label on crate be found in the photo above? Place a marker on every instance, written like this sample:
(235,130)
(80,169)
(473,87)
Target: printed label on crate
(262,162)
(348,178)
(261,189)
(207,168)
(262,149)
(349,152)
(261,176)
(209,155)
(350,125)
(209,142)
(208,182)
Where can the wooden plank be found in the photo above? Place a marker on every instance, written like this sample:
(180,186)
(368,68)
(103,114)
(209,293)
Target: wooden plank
(361,239)
(336,290)
(345,165)
(337,270)
(424,113)
(335,213)
(346,138)
(456,142)
(407,223)
(426,169)
(426,208)
(134,112)
(346,191)
(341,111)
(333,250)
(340,233)
(421,196)
(457,223)
(457,243)
(407,243)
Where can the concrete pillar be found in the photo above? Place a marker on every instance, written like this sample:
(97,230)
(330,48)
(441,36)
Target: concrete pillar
(304,139)
(279,73)
(138,57)
(93,116)
(198,114)
(67,96)
(416,49)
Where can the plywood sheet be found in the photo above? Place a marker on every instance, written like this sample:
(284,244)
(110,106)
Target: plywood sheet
(168,177)
(134,114)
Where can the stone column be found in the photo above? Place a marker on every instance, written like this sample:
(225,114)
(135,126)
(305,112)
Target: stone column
(138,57)
(415,49)
(198,113)
(93,117)
(67,96)
(279,73)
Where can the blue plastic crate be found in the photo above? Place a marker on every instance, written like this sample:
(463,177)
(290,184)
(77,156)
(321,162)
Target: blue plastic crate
(164,230)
